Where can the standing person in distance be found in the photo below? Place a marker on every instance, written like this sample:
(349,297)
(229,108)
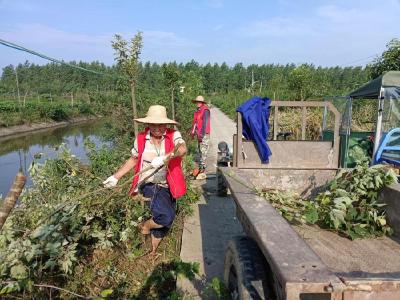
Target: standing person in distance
(201,128)
(151,148)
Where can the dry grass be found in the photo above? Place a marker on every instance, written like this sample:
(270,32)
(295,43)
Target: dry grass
(364,116)
(289,120)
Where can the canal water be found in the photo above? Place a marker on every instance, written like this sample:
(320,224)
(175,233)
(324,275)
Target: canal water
(19,152)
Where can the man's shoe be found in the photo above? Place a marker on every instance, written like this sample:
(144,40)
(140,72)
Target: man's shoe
(201,176)
(194,174)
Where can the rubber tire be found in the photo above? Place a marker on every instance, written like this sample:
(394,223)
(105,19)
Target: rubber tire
(244,259)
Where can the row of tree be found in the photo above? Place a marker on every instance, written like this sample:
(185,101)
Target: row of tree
(209,78)
(284,81)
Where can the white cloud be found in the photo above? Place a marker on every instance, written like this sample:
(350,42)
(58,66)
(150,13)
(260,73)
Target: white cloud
(55,43)
(360,17)
(327,35)
(368,19)
(326,32)
(17,6)
(60,44)
(39,34)
(162,39)
(215,3)
(218,27)
(276,27)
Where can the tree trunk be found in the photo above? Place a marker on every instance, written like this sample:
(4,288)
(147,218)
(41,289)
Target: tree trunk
(173,104)
(133,86)
(11,199)
(72,99)
(16,78)
(24,101)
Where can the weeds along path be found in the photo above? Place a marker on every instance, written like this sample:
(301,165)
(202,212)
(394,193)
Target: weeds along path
(213,223)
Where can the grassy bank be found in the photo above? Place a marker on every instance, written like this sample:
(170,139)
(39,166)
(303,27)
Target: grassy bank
(58,109)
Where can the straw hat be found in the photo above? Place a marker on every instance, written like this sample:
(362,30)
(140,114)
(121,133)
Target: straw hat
(199,99)
(157,114)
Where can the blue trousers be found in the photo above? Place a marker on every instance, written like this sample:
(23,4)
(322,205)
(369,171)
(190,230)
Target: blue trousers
(162,207)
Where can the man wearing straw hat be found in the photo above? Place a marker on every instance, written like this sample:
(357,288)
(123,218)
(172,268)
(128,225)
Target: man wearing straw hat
(156,155)
(201,130)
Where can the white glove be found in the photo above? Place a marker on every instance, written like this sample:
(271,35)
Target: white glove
(110,182)
(157,162)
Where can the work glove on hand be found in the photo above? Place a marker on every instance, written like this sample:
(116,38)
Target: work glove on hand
(157,162)
(110,182)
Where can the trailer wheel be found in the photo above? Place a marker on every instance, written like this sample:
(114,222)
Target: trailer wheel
(245,272)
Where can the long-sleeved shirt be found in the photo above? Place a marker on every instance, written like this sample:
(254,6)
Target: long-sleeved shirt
(206,117)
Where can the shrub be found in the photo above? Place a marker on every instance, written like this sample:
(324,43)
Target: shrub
(85,108)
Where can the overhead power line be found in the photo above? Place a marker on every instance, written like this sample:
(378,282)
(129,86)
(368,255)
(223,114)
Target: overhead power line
(360,59)
(20,48)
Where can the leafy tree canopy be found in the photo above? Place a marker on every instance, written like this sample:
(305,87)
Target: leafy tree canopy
(388,61)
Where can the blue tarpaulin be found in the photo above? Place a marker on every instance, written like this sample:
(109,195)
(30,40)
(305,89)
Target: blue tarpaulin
(255,115)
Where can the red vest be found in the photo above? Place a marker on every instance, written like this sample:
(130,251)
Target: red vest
(198,121)
(175,178)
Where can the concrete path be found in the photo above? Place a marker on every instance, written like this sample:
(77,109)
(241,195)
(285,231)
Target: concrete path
(214,223)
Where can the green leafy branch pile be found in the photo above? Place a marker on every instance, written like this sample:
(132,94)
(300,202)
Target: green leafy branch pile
(289,204)
(349,205)
(50,231)
(73,238)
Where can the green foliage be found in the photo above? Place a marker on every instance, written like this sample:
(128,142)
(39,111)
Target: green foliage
(349,205)
(156,285)
(67,220)
(37,111)
(216,289)
(230,101)
(216,79)
(171,75)
(289,204)
(300,81)
(85,109)
(127,56)
(9,106)
(54,230)
(388,61)
(360,152)
(225,86)
(104,294)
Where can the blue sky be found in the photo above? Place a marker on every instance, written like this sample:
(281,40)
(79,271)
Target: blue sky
(321,32)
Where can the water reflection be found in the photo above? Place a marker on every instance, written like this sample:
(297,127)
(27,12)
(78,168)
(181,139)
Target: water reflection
(19,152)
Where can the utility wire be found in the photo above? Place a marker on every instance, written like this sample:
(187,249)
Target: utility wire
(361,59)
(20,48)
